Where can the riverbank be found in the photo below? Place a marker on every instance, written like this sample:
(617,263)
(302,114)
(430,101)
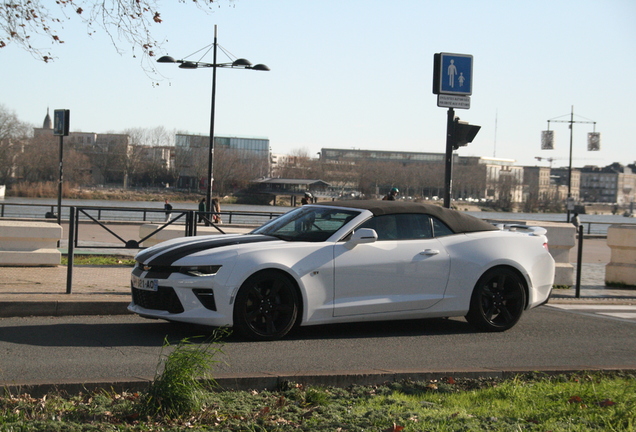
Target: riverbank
(158,195)
(49,190)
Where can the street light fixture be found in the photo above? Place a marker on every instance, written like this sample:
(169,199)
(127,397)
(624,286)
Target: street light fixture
(240,63)
(548,144)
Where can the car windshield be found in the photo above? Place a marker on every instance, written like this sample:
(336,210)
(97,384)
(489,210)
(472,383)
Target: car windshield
(308,223)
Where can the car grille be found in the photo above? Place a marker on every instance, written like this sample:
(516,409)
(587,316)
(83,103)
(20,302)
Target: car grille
(164,299)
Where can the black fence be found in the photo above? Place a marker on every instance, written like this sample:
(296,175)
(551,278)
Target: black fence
(186,219)
(124,214)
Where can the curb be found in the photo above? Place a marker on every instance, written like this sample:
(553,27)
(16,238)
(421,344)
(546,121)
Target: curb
(58,308)
(271,382)
(88,306)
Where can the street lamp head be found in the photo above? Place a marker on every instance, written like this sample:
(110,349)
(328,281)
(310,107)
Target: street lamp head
(166,59)
(188,65)
(260,67)
(241,62)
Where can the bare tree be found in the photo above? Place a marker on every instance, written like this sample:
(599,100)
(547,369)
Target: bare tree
(154,137)
(469,180)
(29,23)
(110,156)
(13,135)
(297,165)
(39,162)
(235,170)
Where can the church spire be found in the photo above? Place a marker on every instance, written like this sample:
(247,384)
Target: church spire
(48,124)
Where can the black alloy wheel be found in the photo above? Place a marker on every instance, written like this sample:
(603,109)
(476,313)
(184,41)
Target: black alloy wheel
(266,306)
(498,301)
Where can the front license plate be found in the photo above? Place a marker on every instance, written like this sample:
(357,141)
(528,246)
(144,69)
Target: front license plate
(144,284)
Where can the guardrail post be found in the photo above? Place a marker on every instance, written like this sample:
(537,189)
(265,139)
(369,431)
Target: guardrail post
(579,261)
(71,250)
(189,223)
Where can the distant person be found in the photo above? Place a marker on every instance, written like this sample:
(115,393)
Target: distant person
(168,209)
(391,195)
(201,210)
(306,199)
(216,208)
(575,221)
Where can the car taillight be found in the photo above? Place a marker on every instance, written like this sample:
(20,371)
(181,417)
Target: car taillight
(545,245)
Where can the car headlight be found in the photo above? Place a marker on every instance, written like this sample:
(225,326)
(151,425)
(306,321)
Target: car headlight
(200,271)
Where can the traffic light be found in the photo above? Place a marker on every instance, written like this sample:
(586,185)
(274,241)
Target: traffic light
(463,133)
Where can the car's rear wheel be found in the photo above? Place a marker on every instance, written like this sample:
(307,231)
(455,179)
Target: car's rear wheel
(498,301)
(266,306)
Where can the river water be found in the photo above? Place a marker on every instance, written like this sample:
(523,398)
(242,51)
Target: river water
(37,207)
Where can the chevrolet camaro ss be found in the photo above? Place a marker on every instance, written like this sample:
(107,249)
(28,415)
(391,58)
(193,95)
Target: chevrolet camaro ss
(347,261)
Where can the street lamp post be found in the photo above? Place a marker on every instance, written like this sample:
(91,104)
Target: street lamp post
(240,63)
(571,123)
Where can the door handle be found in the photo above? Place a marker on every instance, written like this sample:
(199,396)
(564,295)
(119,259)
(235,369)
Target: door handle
(429,252)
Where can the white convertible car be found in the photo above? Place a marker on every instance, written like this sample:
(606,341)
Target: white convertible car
(347,261)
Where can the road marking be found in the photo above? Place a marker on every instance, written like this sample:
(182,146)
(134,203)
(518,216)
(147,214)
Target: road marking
(593,307)
(625,313)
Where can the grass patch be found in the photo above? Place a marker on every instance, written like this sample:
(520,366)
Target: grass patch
(582,402)
(182,377)
(105,260)
(621,285)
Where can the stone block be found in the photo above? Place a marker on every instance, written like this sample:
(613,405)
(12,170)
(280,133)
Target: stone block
(29,243)
(561,238)
(622,266)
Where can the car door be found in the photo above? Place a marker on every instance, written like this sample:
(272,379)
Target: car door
(406,269)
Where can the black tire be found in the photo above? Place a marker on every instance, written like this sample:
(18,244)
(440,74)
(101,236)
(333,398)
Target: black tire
(266,306)
(498,301)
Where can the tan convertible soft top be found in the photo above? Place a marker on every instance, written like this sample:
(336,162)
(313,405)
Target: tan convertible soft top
(457,221)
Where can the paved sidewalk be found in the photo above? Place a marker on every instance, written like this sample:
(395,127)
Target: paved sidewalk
(95,290)
(593,288)
(103,290)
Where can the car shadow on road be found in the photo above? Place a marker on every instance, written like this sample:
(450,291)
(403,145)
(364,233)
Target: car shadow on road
(157,333)
(143,334)
(377,329)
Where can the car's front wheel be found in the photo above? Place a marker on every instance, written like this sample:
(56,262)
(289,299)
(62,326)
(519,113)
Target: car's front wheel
(266,306)
(498,301)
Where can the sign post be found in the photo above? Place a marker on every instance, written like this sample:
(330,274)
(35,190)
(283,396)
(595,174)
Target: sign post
(453,85)
(61,122)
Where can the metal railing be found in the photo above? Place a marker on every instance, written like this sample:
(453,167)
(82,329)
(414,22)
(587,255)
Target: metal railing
(157,215)
(185,218)
(125,214)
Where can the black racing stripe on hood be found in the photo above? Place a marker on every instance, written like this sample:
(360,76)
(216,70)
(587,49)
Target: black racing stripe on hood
(148,254)
(166,257)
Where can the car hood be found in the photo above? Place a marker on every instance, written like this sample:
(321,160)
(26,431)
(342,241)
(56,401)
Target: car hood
(166,253)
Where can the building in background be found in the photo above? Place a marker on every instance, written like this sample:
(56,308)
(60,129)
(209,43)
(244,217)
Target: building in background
(192,157)
(614,183)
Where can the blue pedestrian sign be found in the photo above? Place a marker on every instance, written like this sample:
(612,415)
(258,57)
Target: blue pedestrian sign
(453,74)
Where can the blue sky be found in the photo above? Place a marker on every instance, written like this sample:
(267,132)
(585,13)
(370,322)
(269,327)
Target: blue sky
(358,74)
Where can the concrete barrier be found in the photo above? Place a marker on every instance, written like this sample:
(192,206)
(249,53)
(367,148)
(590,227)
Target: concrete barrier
(29,243)
(176,231)
(622,266)
(561,238)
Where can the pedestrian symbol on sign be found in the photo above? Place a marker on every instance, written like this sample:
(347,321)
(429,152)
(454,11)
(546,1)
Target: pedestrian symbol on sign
(452,71)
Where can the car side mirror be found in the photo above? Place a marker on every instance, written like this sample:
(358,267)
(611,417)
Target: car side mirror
(363,235)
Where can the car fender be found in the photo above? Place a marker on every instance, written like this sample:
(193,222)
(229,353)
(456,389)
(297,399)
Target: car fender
(471,259)
(313,275)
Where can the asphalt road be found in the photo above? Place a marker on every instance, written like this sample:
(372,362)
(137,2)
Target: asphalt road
(75,349)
